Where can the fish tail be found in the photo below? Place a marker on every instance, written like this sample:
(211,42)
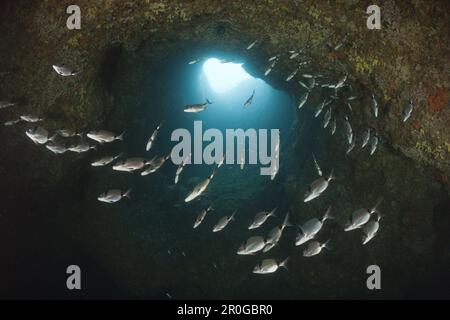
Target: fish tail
(213,173)
(272,213)
(208,102)
(301,230)
(233,215)
(53,137)
(327,245)
(127,194)
(120,137)
(327,215)
(284,263)
(332,176)
(375,208)
(286,222)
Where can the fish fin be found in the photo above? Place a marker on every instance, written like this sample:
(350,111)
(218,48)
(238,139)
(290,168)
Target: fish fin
(120,137)
(327,245)
(327,215)
(213,173)
(375,208)
(301,230)
(286,222)
(272,213)
(127,194)
(332,176)
(53,137)
(316,164)
(284,263)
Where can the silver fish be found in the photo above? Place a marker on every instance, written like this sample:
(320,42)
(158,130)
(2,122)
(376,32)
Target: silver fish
(154,164)
(341,82)
(82,146)
(360,217)
(275,234)
(315,247)
(223,222)
(311,228)
(194,108)
(251,45)
(105,161)
(260,218)
(249,100)
(303,100)
(252,246)
(292,75)
(12,122)
(103,136)
(31,118)
(407,111)
(6,104)
(153,137)
(68,133)
(327,118)
(202,216)
(294,55)
(317,187)
(348,130)
(333,126)
(64,71)
(304,85)
(373,143)
(113,196)
(38,134)
(319,109)
(269,266)
(194,61)
(56,147)
(366,138)
(370,230)
(200,188)
(130,164)
(268,70)
(374,105)
(351,146)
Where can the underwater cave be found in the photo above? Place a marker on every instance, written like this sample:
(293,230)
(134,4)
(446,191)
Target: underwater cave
(139,65)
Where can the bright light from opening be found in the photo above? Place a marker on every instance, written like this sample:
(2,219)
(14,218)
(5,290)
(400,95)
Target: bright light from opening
(224,76)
